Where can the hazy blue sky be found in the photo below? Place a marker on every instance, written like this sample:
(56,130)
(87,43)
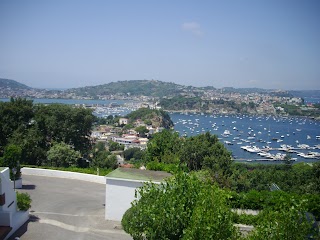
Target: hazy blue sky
(225,43)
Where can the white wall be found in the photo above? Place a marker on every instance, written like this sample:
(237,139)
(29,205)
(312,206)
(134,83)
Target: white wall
(9,216)
(119,195)
(63,174)
(7,188)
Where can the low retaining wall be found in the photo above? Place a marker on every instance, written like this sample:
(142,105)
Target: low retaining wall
(63,174)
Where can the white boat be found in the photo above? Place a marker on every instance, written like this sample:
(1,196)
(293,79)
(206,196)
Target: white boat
(279,156)
(251,149)
(303,146)
(226,132)
(228,142)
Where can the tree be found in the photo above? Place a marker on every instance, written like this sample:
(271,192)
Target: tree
(142,130)
(182,207)
(104,159)
(114,146)
(133,153)
(205,150)
(164,144)
(158,118)
(12,159)
(212,217)
(287,223)
(64,123)
(288,161)
(14,114)
(316,177)
(32,143)
(99,147)
(62,155)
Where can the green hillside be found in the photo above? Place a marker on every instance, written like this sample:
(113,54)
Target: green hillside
(131,88)
(8,83)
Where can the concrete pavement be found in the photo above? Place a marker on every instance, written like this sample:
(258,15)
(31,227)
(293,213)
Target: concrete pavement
(67,209)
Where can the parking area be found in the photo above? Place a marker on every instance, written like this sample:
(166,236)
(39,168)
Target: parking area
(67,209)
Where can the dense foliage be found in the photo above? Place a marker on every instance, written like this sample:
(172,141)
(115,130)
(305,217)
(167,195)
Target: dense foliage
(297,110)
(299,178)
(179,103)
(274,200)
(180,208)
(133,154)
(156,118)
(186,207)
(114,146)
(34,128)
(164,147)
(23,201)
(11,158)
(131,88)
(203,151)
(290,223)
(62,155)
(102,158)
(284,214)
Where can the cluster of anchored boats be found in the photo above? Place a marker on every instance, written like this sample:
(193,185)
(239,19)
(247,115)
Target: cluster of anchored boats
(264,152)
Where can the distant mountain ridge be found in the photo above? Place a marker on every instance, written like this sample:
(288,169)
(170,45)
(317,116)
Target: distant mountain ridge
(153,88)
(128,88)
(12,84)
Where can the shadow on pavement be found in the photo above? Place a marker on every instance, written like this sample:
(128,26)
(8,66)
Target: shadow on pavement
(28,186)
(23,229)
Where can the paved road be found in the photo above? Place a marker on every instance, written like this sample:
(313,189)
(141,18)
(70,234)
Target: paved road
(67,209)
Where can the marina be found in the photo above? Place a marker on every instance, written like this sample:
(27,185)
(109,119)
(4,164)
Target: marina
(267,139)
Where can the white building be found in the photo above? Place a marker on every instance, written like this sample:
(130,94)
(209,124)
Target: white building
(120,189)
(123,121)
(10,218)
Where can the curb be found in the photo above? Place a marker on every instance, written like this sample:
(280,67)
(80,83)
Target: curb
(64,174)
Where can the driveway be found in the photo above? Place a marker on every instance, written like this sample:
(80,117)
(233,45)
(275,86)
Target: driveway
(67,209)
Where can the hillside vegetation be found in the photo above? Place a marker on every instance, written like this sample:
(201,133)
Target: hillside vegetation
(130,88)
(11,84)
(156,118)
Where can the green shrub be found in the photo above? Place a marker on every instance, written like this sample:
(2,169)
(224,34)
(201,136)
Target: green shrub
(167,167)
(211,217)
(276,200)
(23,201)
(246,219)
(313,204)
(174,209)
(289,224)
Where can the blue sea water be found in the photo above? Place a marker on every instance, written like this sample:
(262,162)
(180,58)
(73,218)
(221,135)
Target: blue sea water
(312,100)
(260,131)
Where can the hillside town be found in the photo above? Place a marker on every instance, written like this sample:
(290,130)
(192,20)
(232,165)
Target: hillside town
(207,100)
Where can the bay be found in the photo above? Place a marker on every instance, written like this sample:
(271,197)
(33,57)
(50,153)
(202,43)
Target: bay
(243,130)
(262,132)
